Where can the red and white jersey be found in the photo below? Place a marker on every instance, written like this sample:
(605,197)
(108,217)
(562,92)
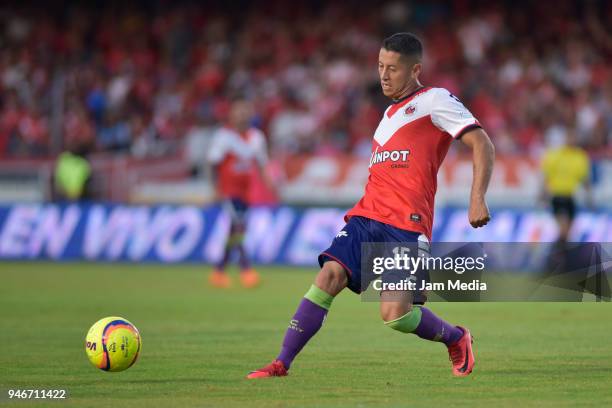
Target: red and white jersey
(409,146)
(236,156)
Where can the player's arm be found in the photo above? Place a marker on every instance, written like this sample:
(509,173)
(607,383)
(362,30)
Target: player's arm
(483,157)
(213,175)
(450,115)
(262,159)
(214,156)
(265,177)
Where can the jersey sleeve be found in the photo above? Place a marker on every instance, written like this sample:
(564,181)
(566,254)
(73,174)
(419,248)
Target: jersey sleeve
(451,116)
(217,149)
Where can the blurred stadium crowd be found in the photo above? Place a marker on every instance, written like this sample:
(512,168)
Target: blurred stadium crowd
(145,78)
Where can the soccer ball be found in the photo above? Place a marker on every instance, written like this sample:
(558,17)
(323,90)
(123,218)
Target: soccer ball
(112,344)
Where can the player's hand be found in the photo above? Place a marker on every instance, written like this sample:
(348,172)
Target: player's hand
(478,213)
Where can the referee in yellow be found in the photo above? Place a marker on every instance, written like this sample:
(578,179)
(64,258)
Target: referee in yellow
(72,175)
(565,168)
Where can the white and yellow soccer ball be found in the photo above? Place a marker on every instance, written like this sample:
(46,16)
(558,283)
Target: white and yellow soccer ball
(113,344)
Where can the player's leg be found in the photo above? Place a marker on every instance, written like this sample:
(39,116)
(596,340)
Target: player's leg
(219,277)
(248,276)
(308,318)
(564,210)
(564,224)
(399,311)
(340,268)
(313,308)
(400,314)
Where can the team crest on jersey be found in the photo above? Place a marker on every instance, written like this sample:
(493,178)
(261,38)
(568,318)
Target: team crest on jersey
(410,109)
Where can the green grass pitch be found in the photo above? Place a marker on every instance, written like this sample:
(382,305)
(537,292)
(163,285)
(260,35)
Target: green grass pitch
(199,343)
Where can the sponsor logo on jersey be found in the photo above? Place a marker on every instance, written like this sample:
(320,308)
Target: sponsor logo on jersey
(410,109)
(342,234)
(394,156)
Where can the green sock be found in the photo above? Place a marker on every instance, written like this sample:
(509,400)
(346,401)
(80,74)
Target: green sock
(319,297)
(408,322)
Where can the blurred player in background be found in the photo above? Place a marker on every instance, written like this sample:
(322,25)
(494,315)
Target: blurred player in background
(565,168)
(409,146)
(237,150)
(72,175)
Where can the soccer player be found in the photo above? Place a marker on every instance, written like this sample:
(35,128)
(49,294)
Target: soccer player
(409,145)
(237,149)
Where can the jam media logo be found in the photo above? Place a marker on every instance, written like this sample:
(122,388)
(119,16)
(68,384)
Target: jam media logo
(388,155)
(410,109)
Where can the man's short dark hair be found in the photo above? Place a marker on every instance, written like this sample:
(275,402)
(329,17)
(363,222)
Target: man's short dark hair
(406,44)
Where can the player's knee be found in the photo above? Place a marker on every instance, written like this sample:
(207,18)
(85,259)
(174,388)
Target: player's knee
(332,278)
(390,311)
(405,323)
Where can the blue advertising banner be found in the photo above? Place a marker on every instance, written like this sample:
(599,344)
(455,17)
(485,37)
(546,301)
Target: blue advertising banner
(285,235)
